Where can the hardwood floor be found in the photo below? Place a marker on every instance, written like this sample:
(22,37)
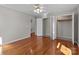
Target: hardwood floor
(38,46)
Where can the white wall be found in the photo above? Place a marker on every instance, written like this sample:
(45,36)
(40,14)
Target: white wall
(39,27)
(14,25)
(53,24)
(54,27)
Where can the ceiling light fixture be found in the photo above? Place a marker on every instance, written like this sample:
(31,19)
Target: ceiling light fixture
(38,8)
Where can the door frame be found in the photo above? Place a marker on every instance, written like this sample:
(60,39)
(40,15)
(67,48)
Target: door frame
(72,25)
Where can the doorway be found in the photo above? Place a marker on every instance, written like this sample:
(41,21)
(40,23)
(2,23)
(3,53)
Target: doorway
(46,27)
(64,27)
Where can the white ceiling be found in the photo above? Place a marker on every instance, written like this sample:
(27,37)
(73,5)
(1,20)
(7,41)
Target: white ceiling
(50,8)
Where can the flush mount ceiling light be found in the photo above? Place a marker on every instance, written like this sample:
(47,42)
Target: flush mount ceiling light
(38,8)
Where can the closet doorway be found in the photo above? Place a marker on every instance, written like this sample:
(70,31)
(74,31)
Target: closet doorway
(64,27)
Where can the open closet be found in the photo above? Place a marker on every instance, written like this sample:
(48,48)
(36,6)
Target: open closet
(64,27)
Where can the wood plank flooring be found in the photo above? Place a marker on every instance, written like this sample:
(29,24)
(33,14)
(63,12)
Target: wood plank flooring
(38,46)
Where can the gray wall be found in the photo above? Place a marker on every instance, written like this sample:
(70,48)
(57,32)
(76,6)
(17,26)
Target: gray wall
(78,26)
(33,25)
(14,25)
(46,27)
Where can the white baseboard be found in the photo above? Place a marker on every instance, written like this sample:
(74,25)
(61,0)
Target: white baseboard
(16,40)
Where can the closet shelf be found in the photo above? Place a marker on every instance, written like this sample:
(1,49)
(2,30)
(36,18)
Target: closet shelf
(64,18)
